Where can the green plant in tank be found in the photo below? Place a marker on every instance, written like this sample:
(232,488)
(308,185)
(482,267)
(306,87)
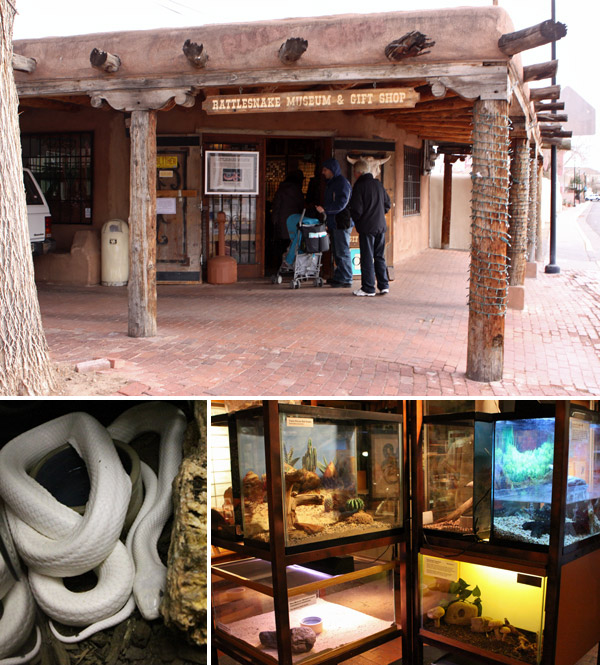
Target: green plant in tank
(531,466)
(354,505)
(289,457)
(309,459)
(460,592)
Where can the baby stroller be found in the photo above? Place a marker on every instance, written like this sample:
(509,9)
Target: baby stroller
(302,261)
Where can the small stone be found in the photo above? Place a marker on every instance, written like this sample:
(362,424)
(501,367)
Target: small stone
(302,639)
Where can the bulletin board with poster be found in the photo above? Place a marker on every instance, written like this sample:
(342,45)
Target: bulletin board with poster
(228,172)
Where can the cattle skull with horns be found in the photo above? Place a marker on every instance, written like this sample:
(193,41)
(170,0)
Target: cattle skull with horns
(374,163)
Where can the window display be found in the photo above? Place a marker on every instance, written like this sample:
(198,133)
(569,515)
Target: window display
(488,611)
(341,475)
(457,467)
(326,611)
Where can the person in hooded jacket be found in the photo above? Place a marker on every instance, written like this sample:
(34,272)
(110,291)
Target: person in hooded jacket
(339,222)
(368,206)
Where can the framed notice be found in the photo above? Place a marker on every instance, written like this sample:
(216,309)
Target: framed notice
(231,172)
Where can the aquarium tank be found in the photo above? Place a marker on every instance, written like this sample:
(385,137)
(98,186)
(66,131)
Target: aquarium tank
(582,516)
(523,466)
(485,609)
(338,609)
(341,474)
(457,461)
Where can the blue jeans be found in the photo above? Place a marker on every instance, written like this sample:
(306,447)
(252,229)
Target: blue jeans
(372,261)
(340,241)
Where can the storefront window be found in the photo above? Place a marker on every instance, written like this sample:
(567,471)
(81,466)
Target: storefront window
(412,181)
(62,164)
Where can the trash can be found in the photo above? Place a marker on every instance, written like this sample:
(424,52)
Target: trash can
(115,253)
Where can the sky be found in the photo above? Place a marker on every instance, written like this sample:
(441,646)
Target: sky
(575,52)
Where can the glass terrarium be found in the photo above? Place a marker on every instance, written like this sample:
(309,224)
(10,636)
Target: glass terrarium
(582,516)
(523,465)
(340,474)
(486,610)
(327,611)
(457,459)
(226,515)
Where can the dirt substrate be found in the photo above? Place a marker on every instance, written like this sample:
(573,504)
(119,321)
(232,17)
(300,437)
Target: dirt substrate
(486,641)
(133,641)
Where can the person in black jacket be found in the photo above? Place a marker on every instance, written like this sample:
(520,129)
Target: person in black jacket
(368,205)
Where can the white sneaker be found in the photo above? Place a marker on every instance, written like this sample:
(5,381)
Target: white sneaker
(360,292)
(383,292)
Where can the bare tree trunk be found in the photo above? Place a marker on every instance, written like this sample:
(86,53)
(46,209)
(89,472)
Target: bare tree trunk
(488,282)
(25,367)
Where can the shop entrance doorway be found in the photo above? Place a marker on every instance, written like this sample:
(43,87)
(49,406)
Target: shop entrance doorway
(284,155)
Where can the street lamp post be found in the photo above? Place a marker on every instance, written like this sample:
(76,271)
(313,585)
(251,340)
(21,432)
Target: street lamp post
(552,267)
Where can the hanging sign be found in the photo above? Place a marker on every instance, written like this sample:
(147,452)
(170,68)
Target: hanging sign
(323,100)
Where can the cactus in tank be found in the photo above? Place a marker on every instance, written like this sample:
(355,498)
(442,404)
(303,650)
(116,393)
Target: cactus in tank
(354,505)
(289,457)
(309,459)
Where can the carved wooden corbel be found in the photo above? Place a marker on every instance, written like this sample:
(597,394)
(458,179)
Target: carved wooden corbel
(143,100)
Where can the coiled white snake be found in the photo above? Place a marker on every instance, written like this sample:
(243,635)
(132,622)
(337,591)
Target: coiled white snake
(55,542)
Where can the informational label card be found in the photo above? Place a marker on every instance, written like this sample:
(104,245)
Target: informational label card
(298,421)
(442,568)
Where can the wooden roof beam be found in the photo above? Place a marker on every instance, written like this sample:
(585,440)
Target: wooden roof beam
(104,61)
(549,106)
(528,38)
(410,45)
(549,92)
(195,53)
(23,64)
(543,70)
(292,50)
(552,117)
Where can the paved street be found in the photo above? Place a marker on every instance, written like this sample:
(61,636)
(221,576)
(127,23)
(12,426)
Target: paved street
(255,338)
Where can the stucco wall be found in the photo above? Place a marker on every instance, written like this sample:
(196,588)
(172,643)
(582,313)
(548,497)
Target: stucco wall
(111,155)
(345,40)
(460,215)
(110,161)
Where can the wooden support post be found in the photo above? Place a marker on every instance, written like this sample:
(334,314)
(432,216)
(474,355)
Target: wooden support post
(447,201)
(533,208)
(518,210)
(142,225)
(539,240)
(489,237)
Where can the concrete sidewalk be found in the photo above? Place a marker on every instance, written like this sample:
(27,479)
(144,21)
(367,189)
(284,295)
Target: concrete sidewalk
(258,339)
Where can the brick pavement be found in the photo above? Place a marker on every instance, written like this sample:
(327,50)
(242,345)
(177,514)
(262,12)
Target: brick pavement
(258,339)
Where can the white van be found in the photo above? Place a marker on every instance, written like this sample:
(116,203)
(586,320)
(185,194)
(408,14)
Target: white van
(38,215)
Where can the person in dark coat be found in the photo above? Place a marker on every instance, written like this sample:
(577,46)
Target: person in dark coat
(339,222)
(368,205)
(288,200)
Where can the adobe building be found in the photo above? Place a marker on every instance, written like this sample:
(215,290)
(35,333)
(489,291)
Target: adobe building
(167,128)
